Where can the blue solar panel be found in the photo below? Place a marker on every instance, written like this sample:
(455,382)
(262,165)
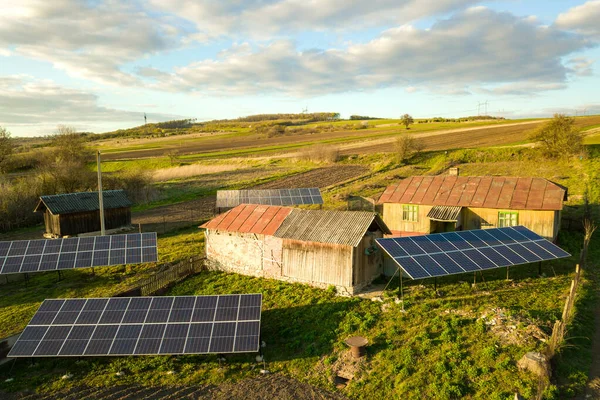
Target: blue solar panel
(74,327)
(59,254)
(467,251)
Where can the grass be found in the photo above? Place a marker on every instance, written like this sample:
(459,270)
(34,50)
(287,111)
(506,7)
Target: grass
(19,299)
(440,348)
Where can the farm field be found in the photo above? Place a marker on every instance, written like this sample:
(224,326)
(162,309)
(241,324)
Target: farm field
(246,142)
(463,342)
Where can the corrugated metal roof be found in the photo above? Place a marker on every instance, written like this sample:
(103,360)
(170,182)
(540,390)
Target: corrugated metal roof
(250,218)
(325,226)
(444,213)
(83,201)
(477,191)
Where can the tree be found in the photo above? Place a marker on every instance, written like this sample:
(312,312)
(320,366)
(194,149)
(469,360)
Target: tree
(406,147)
(64,168)
(407,120)
(6,147)
(559,137)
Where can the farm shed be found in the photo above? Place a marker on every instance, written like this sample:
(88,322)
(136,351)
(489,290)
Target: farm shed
(74,213)
(436,204)
(317,247)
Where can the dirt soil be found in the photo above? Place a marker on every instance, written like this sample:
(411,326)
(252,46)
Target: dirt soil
(165,218)
(273,386)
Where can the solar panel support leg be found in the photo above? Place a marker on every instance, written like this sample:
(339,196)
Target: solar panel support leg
(401,292)
(507,270)
(435,284)
(59,275)
(540,268)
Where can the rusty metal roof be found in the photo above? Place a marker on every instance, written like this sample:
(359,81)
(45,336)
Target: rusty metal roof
(444,213)
(477,191)
(326,226)
(250,218)
(69,203)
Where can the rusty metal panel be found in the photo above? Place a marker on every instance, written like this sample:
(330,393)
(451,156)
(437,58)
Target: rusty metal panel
(264,219)
(387,193)
(241,218)
(214,223)
(535,200)
(491,200)
(457,191)
(276,221)
(231,216)
(395,198)
(553,198)
(248,224)
(506,193)
(469,191)
(411,189)
(444,191)
(482,191)
(422,189)
(436,183)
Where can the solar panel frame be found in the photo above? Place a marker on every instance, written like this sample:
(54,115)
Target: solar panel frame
(60,327)
(28,256)
(272,197)
(468,251)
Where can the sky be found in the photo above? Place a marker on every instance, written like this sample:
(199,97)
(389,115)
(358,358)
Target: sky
(99,65)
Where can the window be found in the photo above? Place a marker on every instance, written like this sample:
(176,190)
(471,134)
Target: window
(508,218)
(410,213)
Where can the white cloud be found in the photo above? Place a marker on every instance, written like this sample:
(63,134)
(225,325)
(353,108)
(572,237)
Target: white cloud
(90,40)
(33,106)
(474,48)
(584,18)
(264,18)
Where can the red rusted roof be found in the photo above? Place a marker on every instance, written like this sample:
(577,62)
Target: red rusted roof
(477,191)
(250,218)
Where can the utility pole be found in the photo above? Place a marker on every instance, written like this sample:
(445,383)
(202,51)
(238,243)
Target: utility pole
(486,104)
(100,196)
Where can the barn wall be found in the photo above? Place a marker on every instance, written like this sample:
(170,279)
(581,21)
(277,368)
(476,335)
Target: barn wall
(318,264)
(392,216)
(367,267)
(544,223)
(73,224)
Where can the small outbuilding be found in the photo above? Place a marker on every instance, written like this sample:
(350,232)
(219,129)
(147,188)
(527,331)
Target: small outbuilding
(321,248)
(436,204)
(75,213)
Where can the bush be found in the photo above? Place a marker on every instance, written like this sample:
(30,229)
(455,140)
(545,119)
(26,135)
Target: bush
(558,137)
(322,153)
(407,146)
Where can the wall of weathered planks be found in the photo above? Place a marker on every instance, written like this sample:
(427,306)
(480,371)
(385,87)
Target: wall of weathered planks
(76,223)
(320,263)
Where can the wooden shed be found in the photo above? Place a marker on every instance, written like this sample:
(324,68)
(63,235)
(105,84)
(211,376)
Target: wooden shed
(435,204)
(75,213)
(317,247)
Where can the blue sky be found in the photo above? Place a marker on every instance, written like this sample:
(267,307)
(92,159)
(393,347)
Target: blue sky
(100,65)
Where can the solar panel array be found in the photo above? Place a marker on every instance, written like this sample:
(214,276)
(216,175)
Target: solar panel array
(468,251)
(143,326)
(271,197)
(79,252)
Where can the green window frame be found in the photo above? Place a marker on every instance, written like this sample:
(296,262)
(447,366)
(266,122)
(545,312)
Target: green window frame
(508,218)
(410,212)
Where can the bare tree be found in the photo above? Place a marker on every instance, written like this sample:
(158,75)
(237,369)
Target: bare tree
(65,167)
(407,120)
(6,147)
(407,146)
(558,137)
